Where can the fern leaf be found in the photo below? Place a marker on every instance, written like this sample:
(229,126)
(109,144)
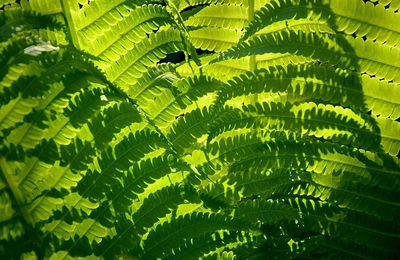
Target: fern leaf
(394,4)
(348,16)
(157,205)
(311,45)
(365,19)
(118,159)
(319,245)
(192,3)
(131,24)
(274,136)
(161,75)
(275,11)
(244,185)
(346,224)
(144,54)
(166,106)
(206,244)
(185,132)
(376,94)
(222,15)
(382,206)
(214,39)
(265,211)
(301,83)
(88,228)
(43,7)
(390,138)
(294,118)
(173,234)
(223,70)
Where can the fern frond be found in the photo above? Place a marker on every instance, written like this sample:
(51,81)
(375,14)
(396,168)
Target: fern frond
(301,83)
(18,19)
(393,4)
(220,15)
(44,7)
(241,185)
(192,3)
(159,76)
(247,152)
(383,67)
(316,246)
(144,54)
(173,234)
(89,228)
(306,44)
(214,39)
(281,59)
(131,24)
(213,129)
(323,48)
(312,81)
(344,224)
(297,118)
(390,137)
(377,93)
(344,16)
(166,106)
(366,19)
(139,177)
(275,11)
(343,192)
(207,244)
(102,180)
(157,205)
(270,212)
(6,3)
(185,132)
(223,70)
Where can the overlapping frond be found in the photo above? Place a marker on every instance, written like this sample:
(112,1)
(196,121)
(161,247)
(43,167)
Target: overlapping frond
(212,129)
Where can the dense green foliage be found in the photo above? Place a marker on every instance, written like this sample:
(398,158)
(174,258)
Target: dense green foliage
(275,137)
